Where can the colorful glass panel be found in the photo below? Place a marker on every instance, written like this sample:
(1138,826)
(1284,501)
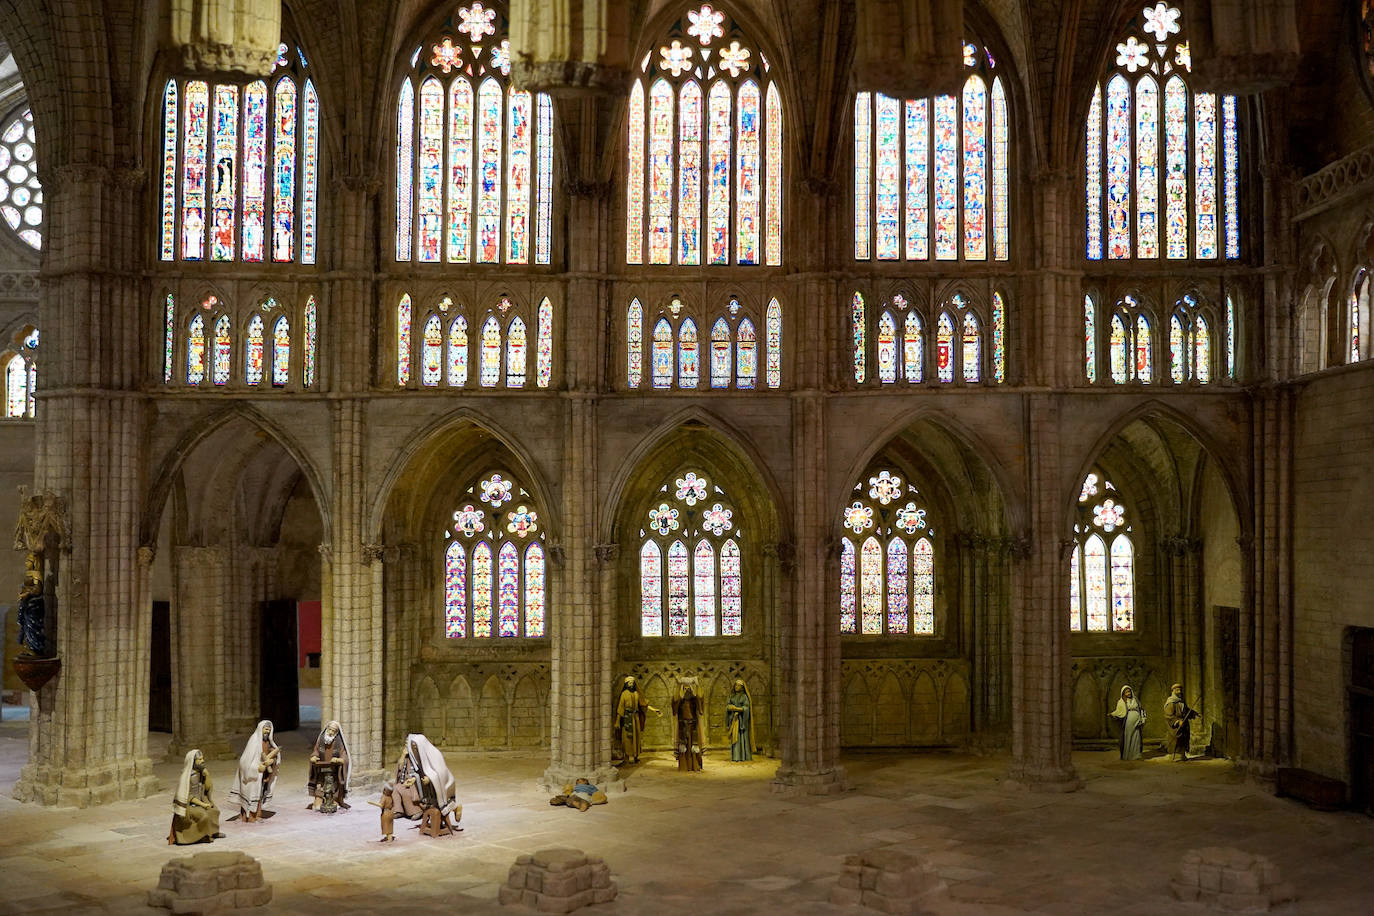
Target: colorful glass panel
(747,176)
(1093,175)
(944,348)
(946,178)
(731,606)
(534,590)
(169,170)
(661,173)
(650,590)
(224,198)
(888,178)
(508,578)
(311,342)
(284,171)
(460,122)
(1176,165)
(489,112)
(773,175)
(1205,172)
(195,132)
(1090,338)
(871,587)
(848,623)
(223,352)
(1000,173)
(773,330)
(516,349)
(403,341)
(704,575)
(746,355)
(1095,583)
(1123,585)
(518,176)
(634,344)
(544,145)
(431,353)
(1202,350)
(310,170)
(720,354)
(490,371)
(405,163)
(1144,360)
(481,589)
(857,326)
(1147,167)
(972,361)
(975,169)
(863,205)
(458,352)
(1231,174)
(16,386)
(544,345)
(887,349)
(1121,372)
(897,598)
(455,592)
(431,169)
(1230,337)
(688,369)
(718,179)
(917,179)
(689,174)
(1118,143)
(1178,352)
(169,317)
(634,181)
(195,351)
(913,355)
(663,354)
(1075,593)
(254,170)
(281,352)
(679,576)
(922,588)
(999,339)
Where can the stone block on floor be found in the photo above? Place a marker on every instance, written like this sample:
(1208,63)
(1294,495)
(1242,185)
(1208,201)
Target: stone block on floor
(889,879)
(557,881)
(210,882)
(1231,879)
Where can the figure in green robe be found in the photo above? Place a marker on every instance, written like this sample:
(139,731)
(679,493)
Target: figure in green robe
(739,719)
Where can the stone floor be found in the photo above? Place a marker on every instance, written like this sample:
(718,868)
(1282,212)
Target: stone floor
(714,842)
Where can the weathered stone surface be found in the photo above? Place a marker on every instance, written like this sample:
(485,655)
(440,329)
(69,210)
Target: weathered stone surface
(557,881)
(889,879)
(1229,879)
(209,882)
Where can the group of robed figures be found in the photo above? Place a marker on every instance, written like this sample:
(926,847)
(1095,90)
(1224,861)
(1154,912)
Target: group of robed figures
(688,722)
(1177,716)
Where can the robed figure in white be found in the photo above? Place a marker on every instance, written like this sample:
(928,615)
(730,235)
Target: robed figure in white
(257,772)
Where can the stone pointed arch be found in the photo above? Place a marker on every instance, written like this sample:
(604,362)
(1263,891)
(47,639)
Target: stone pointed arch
(493,715)
(527,714)
(460,722)
(924,710)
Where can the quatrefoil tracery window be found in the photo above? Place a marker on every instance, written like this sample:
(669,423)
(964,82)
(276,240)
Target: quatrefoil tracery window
(495,569)
(1102,568)
(887,559)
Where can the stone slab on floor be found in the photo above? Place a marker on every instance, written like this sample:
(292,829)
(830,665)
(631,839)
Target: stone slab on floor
(211,882)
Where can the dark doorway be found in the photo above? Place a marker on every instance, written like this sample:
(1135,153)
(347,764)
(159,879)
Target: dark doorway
(1226,733)
(278,690)
(1362,719)
(160,669)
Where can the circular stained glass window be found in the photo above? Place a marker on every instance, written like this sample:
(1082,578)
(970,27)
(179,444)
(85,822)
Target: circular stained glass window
(21,196)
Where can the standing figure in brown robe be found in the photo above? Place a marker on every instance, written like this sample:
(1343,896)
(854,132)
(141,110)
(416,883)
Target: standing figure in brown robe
(630,716)
(1177,714)
(689,725)
(195,819)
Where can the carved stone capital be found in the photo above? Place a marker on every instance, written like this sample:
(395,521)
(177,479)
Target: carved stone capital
(1179,546)
(373,553)
(326,552)
(1066,548)
(594,190)
(564,77)
(557,555)
(358,184)
(606,553)
(146,554)
(786,553)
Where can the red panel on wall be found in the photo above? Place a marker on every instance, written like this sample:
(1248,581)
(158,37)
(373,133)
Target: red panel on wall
(308,628)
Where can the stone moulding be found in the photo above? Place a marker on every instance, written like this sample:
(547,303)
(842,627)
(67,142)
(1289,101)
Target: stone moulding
(1342,179)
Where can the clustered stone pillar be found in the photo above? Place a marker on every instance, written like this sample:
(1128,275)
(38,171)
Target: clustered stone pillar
(199,717)
(88,739)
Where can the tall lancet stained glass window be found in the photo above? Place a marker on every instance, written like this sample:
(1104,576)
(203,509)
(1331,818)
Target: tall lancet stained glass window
(704,160)
(494,563)
(1162,175)
(1102,565)
(691,560)
(932,175)
(240,167)
(887,559)
(474,154)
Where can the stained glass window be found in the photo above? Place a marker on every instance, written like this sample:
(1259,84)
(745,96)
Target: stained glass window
(1102,581)
(857,324)
(195,351)
(1230,337)
(703,582)
(431,353)
(496,535)
(720,354)
(403,341)
(688,369)
(490,371)
(458,352)
(311,342)
(731,346)
(1178,351)
(169,336)
(243,152)
(891,592)
(1142,144)
(1120,346)
(774,343)
(223,351)
(495,342)
(913,349)
(1090,338)
(21,378)
(474,155)
(634,342)
(663,354)
(901,170)
(515,354)
(887,349)
(281,352)
(944,348)
(1144,365)
(746,355)
(713,102)
(999,339)
(1202,350)
(544,354)
(972,357)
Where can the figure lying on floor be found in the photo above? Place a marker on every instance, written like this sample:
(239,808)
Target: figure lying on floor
(580,795)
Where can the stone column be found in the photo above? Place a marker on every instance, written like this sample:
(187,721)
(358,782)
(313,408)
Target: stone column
(88,727)
(200,662)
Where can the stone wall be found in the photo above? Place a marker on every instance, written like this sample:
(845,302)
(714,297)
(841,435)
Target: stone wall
(904,702)
(481,706)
